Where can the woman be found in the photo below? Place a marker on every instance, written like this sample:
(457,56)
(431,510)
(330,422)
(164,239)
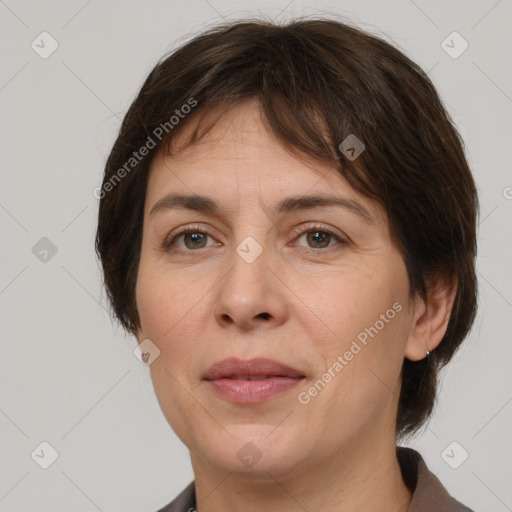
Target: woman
(287,225)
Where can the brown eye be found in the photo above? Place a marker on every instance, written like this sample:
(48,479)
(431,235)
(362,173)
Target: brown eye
(188,240)
(197,240)
(318,239)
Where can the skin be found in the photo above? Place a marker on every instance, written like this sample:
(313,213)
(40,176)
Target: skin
(202,305)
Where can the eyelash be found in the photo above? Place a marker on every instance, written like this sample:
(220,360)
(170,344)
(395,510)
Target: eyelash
(312,227)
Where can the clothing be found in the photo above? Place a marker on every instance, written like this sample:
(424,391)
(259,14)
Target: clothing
(429,495)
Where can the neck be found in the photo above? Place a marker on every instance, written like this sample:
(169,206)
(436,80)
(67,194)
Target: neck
(361,476)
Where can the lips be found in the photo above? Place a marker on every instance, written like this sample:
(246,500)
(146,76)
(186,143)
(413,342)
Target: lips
(248,382)
(250,370)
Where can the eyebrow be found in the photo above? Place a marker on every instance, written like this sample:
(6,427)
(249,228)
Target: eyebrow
(287,205)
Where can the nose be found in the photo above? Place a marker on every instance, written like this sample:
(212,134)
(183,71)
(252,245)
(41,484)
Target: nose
(250,295)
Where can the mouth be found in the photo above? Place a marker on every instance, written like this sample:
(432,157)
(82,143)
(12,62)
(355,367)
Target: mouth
(252,377)
(251,381)
(250,369)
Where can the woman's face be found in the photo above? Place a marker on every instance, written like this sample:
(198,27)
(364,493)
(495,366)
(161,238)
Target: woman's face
(320,289)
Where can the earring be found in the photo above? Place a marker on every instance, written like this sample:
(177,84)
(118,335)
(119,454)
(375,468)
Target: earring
(428,352)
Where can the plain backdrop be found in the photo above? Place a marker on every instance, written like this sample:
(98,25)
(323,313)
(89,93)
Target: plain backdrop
(68,376)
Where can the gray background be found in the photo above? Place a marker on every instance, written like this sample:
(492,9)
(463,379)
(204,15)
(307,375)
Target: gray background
(68,377)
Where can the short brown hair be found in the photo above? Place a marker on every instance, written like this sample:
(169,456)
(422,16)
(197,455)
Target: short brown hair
(307,74)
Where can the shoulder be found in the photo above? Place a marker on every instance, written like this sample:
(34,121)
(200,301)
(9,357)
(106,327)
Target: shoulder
(184,502)
(429,494)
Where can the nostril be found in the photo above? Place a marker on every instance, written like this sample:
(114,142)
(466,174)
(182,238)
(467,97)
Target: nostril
(265,316)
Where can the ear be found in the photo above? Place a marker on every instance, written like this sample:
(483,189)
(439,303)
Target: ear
(430,318)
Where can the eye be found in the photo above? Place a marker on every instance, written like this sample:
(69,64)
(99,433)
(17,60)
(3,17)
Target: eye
(193,238)
(319,237)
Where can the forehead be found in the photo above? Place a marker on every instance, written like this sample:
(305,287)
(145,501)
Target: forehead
(238,135)
(239,159)
(239,138)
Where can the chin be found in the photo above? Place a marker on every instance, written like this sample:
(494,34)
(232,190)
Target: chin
(252,451)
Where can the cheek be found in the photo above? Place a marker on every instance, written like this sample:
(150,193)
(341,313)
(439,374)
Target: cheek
(358,385)
(174,310)
(169,305)
(172,316)
(348,301)
(364,325)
